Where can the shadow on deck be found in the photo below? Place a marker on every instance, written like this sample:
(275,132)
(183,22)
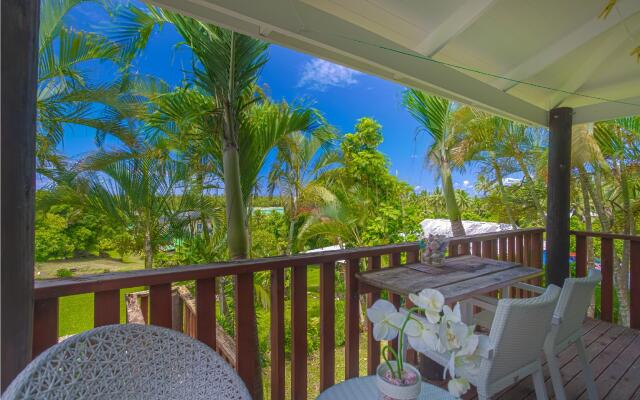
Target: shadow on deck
(614,354)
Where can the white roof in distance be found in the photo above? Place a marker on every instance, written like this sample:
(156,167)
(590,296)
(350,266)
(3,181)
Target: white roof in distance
(443,227)
(547,44)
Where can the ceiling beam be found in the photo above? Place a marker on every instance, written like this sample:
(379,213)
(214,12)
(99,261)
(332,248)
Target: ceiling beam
(582,35)
(599,55)
(621,89)
(606,111)
(456,23)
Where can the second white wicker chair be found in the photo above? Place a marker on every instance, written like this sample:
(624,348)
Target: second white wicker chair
(128,362)
(516,339)
(566,330)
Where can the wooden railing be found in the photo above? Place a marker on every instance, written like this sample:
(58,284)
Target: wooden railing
(523,246)
(607,261)
(184,318)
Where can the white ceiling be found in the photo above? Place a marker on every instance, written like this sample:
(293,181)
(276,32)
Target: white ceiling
(559,44)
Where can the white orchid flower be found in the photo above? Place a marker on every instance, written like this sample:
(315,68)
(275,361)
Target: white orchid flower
(454,315)
(431,301)
(453,335)
(458,386)
(423,336)
(386,320)
(469,345)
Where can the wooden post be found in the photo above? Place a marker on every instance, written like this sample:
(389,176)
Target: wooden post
(559,167)
(20,20)
(327,325)
(247,362)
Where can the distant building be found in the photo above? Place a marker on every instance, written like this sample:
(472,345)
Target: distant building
(443,227)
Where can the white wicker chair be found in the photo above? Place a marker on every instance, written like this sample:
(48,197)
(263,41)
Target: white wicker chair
(516,342)
(566,330)
(128,362)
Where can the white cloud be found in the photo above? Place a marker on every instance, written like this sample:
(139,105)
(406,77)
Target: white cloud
(319,75)
(465,183)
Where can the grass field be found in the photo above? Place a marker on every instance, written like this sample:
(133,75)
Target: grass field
(76,312)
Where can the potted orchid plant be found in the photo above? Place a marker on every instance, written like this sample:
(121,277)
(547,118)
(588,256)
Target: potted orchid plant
(429,326)
(432,249)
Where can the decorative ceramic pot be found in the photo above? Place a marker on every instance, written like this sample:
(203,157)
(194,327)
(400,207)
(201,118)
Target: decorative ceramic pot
(396,389)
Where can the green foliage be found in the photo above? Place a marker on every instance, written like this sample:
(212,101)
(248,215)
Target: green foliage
(64,273)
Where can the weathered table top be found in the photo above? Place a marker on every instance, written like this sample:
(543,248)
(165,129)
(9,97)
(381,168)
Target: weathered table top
(459,278)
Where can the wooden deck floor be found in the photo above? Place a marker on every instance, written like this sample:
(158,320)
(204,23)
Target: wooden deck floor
(614,354)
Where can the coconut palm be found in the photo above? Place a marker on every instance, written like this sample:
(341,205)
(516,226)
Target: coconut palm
(66,95)
(523,145)
(484,144)
(437,118)
(300,160)
(618,141)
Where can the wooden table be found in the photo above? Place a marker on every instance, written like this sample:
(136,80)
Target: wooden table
(460,277)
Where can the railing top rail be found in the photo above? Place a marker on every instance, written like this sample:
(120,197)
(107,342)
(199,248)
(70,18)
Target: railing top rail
(607,235)
(52,288)
(494,235)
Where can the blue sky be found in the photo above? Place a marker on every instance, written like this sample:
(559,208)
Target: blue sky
(341,94)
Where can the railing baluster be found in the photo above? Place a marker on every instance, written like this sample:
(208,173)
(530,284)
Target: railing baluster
(206,311)
(634,289)
(106,308)
(412,257)
(299,333)
(526,247)
(144,307)
(453,249)
(394,261)
(511,244)
(581,256)
(246,346)
(476,248)
(502,248)
(519,249)
(494,249)
(277,334)
(536,255)
(352,317)
(327,325)
(45,325)
(160,307)
(373,346)
(606,293)
(487,249)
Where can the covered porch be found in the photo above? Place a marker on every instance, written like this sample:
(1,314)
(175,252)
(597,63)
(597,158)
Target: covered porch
(556,76)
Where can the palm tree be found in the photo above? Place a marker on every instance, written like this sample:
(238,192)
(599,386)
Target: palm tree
(438,119)
(484,144)
(618,141)
(65,93)
(523,144)
(226,66)
(300,160)
(142,193)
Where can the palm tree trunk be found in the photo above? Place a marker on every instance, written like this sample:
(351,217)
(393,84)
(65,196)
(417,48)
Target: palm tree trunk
(148,250)
(622,272)
(235,210)
(503,194)
(450,200)
(584,185)
(532,192)
(598,203)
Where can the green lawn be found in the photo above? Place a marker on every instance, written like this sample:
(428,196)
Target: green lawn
(76,312)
